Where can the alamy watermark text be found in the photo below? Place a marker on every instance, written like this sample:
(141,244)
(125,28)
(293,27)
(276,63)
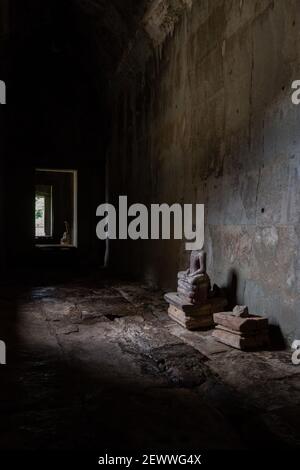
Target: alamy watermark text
(136,223)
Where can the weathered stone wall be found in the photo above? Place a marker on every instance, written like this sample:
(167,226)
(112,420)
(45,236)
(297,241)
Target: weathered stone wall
(209,120)
(4,26)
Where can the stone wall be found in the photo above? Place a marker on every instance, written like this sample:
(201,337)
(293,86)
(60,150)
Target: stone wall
(208,119)
(4,26)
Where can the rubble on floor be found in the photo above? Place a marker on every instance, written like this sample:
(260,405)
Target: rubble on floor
(97,362)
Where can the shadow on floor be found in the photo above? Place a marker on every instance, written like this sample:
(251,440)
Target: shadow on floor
(110,382)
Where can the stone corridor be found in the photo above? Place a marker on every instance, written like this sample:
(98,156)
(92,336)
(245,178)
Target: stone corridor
(95,362)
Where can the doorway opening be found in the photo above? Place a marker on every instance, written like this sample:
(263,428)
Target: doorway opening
(43,211)
(56,208)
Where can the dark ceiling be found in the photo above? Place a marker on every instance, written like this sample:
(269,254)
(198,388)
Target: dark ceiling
(78,28)
(112,23)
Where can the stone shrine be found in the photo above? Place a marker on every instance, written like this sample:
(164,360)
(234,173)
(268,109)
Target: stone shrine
(241,330)
(194,303)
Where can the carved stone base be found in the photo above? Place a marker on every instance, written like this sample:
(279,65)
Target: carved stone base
(248,325)
(190,322)
(191,316)
(239,341)
(247,334)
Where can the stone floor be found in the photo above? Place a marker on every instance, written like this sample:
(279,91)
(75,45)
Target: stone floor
(95,363)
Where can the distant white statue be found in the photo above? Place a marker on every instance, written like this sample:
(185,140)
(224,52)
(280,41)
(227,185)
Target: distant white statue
(66,238)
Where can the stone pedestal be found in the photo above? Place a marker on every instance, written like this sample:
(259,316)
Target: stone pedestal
(245,333)
(193,316)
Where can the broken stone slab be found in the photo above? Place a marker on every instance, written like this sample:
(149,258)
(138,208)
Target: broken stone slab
(241,311)
(251,324)
(240,341)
